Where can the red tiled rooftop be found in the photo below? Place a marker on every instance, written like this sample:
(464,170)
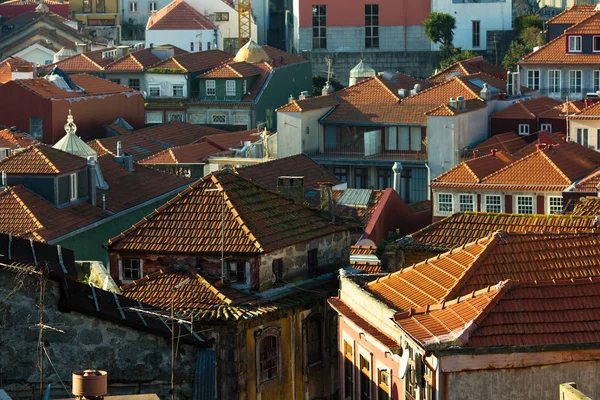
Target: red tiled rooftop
(41,159)
(560,111)
(363,250)
(467,67)
(256,221)
(588,207)
(572,15)
(589,184)
(508,142)
(590,112)
(15,140)
(226,141)
(309,104)
(473,171)
(179,15)
(186,154)
(90,61)
(193,62)
(232,70)
(528,109)
(400,80)
(90,85)
(282,57)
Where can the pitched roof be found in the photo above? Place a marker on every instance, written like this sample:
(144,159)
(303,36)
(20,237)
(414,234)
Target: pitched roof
(473,171)
(256,221)
(590,112)
(186,154)
(508,142)
(572,15)
(228,140)
(445,110)
(134,61)
(467,67)
(266,174)
(527,109)
(589,184)
(15,140)
(309,104)
(13,64)
(399,80)
(282,57)
(90,61)
(179,15)
(193,62)
(511,314)
(587,207)
(497,257)
(89,85)
(461,228)
(41,159)
(560,111)
(231,70)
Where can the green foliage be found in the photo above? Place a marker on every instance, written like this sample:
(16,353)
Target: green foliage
(526,21)
(132,30)
(439,28)
(392,237)
(455,56)
(516,51)
(318,82)
(166,70)
(531,37)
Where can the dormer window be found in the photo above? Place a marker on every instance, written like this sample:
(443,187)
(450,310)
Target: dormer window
(574,44)
(73,187)
(596,44)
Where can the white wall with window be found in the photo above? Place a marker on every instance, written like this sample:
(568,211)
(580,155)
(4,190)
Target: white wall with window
(183,37)
(554,204)
(493,203)
(533,79)
(166,85)
(524,204)
(585,132)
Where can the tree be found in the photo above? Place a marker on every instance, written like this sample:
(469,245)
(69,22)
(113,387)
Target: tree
(531,37)
(516,51)
(439,28)
(525,21)
(456,56)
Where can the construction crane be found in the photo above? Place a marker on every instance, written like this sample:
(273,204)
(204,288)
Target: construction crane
(244,22)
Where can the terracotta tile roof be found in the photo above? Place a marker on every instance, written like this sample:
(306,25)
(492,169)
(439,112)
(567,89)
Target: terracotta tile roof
(560,111)
(131,188)
(399,81)
(186,154)
(15,140)
(363,250)
(588,207)
(511,314)
(90,85)
(368,267)
(528,109)
(193,62)
(541,138)
(572,15)
(27,215)
(589,184)
(312,103)
(43,160)
(13,64)
(133,62)
(91,61)
(266,174)
(361,213)
(495,258)
(342,308)
(508,142)
(31,2)
(590,112)
(226,141)
(179,15)
(462,228)
(231,70)
(282,57)
(445,110)
(467,67)
(473,171)
(256,221)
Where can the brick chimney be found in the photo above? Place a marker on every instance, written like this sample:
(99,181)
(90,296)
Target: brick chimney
(291,187)
(327,204)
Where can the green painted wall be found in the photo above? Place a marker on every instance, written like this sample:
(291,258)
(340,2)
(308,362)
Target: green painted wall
(88,244)
(220,87)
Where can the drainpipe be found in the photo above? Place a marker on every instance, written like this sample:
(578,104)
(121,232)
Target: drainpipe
(293,344)
(428,181)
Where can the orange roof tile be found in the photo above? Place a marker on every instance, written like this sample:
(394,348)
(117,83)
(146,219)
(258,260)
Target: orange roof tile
(228,140)
(445,110)
(179,15)
(231,70)
(400,80)
(256,221)
(508,142)
(133,61)
(589,184)
(363,250)
(467,67)
(588,207)
(41,159)
(528,109)
(193,62)
(560,111)
(282,57)
(361,213)
(91,61)
(495,258)
(15,140)
(572,15)
(590,112)
(186,154)
(312,103)
(90,86)
(473,171)
(368,267)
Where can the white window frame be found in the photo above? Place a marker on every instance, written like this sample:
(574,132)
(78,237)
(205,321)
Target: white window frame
(133,6)
(178,85)
(582,136)
(487,203)
(211,87)
(573,41)
(554,80)
(153,6)
(151,87)
(122,271)
(230,87)
(546,127)
(73,187)
(551,206)
(461,197)
(596,80)
(152,120)
(445,211)
(573,77)
(533,79)
(519,206)
(594,44)
(524,129)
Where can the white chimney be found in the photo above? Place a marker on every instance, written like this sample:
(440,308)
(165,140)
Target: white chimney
(397,170)
(4,180)
(119,149)
(402,93)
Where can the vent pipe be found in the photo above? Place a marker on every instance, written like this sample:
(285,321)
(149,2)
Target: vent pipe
(90,384)
(103,201)
(92,180)
(119,149)
(397,170)
(4,180)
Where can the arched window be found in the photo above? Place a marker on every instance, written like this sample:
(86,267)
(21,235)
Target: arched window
(268,358)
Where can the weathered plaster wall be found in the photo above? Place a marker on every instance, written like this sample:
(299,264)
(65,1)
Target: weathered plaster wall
(524,383)
(137,362)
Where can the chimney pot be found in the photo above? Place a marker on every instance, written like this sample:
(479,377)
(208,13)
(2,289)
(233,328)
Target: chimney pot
(475,153)
(493,152)
(119,149)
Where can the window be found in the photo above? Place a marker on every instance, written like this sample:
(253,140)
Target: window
(476,33)
(410,378)
(397,138)
(177,90)
(596,43)
(361,178)
(154,91)
(244,87)
(87,6)
(582,136)
(229,88)
(341,174)
(134,84)
(319,24)
(493,203)
(240,119)
(100,6)
(222,16)
(546,127)
(115,80)
(191,46)
(554,81)
(383,385)
(131,268)
(575,81)
(218,119)
(133,6)
(365,378)
(235,271)
(312,259)
(445,203)
(211,89)
(268,358)
(196,117)
(277,269)
(371,26)
(465,202)
(555,204)
(524,204)
(36,127)
(523,129)
(314,340)
(153,6)
(384,178)
(415,138)
(533,79)
(208,45)
(596,80)
(574,44)
(154,117)
(348,371)
(73,187)
(175,116)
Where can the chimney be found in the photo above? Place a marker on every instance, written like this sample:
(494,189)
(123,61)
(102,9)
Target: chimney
(291,99)
(125,160)
(327,205)
(81,47)
(540,146)
(402,93)
(119,149)
(291,187)
(397,170)
(327,89)
(486,93)
(493,152)
(303,95)
(92,180)
(461,103)
(453,103)
(4,180)
(90,384)
(475,153)
(416,89)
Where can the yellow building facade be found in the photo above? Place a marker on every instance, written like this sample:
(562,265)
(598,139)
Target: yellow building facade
(96,12)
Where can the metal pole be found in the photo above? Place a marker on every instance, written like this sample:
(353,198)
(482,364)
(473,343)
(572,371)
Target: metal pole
(172,346)
(223,237)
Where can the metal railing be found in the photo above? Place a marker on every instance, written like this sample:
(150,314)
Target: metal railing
(360,154)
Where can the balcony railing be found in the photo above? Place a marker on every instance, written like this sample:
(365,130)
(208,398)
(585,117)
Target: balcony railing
(360,154)
(572,93)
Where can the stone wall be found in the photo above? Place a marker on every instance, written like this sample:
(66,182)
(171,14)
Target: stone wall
(137,362)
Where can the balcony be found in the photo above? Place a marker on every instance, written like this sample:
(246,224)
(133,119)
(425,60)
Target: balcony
(571,93)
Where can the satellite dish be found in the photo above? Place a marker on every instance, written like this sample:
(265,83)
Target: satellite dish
(403,364)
